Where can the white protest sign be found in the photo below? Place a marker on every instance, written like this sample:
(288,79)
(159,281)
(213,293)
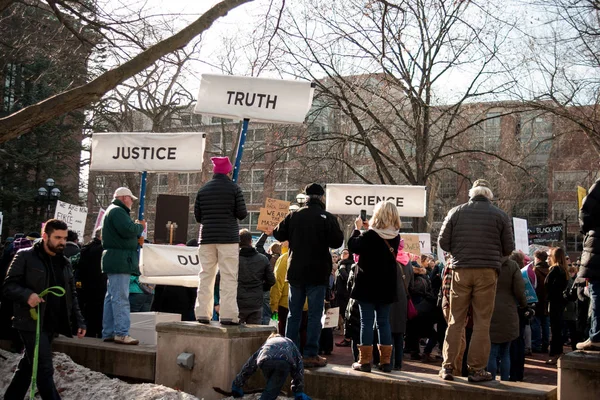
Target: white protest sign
(521,234)
(258,99)
(330,318)
(441,254)
(143,151)
(74,216)
(99,220)
(169,265)
(350,199)
(1,221)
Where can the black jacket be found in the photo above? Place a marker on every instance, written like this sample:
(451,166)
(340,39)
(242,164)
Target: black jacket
(28,273)
(589,220)
(556,283)
(377,272)
(477,234)
(254,275)
(342,294)
(89,271)
(219,205)
(541,272)
(311,231)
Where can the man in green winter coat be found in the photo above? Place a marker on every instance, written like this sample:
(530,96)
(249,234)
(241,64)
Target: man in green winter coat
(119,261)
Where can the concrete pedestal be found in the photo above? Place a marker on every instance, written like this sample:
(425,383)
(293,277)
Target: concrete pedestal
(220,352)
(579,376)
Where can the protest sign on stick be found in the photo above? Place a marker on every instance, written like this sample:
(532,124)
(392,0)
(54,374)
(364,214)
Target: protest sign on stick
(272,214)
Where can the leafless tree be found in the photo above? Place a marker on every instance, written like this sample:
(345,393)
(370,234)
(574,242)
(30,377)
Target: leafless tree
(564,54)
(379,67)
(75,16)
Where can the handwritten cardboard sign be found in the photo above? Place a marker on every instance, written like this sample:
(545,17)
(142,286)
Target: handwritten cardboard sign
(272,214)
(73,215)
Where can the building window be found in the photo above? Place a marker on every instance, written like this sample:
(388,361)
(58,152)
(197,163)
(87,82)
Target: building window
(488,137)
(250,222)
(218,120)
(567,181)
(252,183)
(285,187)
(565,209)
(162,183)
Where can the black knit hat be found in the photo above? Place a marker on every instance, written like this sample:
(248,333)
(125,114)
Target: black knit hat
(314,189)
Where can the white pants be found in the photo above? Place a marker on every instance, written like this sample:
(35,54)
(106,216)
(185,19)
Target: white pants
(226,258)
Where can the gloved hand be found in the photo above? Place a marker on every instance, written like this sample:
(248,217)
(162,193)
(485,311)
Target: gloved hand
(528,312)
(301,396)
(236,391)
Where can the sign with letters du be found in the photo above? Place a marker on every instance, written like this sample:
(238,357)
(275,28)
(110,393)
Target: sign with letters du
(143,151)
(258,99)
(350,199)
(169,265)
(74,216)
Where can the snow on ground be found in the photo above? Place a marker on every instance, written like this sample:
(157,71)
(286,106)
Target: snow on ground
(75,382)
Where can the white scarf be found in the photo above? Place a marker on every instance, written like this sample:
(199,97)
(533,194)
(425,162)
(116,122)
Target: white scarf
(387,233)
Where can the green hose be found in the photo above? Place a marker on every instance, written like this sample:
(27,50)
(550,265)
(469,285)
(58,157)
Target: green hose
(58,292)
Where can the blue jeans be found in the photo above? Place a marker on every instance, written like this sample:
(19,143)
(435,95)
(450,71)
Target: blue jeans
(499,353)
(298,294)
(540,332)
(368,313)
(275,373)
(140,302)
(115,321)
(594,287)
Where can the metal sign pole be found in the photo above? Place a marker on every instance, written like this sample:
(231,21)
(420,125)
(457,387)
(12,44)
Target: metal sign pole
(240,149)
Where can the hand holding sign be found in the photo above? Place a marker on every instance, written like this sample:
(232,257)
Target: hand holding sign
(272,214)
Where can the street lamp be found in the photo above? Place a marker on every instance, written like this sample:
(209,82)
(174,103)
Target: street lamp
(47,196)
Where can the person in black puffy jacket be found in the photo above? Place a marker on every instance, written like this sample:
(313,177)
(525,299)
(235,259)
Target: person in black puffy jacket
(219,205)
(589,220)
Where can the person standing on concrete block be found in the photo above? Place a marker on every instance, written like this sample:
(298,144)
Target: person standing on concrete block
(255,274)
(376,287)
(32,271)
(477,235)
(219,205)
(120,239)
(278,357)
(311,231)
(589,220)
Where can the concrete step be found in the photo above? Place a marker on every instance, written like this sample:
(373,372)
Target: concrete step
(341,382)
(134,362)
(579,376)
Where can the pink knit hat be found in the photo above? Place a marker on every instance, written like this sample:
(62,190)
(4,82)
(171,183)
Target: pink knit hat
(221,165)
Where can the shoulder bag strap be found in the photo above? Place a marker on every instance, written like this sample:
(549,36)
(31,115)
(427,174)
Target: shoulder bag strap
(399,265)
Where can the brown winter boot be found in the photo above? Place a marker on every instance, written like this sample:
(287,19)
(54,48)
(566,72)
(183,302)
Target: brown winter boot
(385,357)
(364,359)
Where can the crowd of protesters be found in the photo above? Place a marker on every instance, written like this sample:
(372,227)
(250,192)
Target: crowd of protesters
(472,305)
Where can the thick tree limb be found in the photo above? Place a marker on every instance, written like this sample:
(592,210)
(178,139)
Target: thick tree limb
(22,121)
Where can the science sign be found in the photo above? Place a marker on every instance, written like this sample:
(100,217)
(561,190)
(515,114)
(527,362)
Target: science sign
(350,199)
(143,151)
(258,99)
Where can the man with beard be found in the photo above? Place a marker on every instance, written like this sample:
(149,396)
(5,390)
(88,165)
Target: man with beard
(32,271)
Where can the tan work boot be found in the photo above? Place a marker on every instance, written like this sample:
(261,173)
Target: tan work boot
(364,359)
(126,340)
(385,357)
